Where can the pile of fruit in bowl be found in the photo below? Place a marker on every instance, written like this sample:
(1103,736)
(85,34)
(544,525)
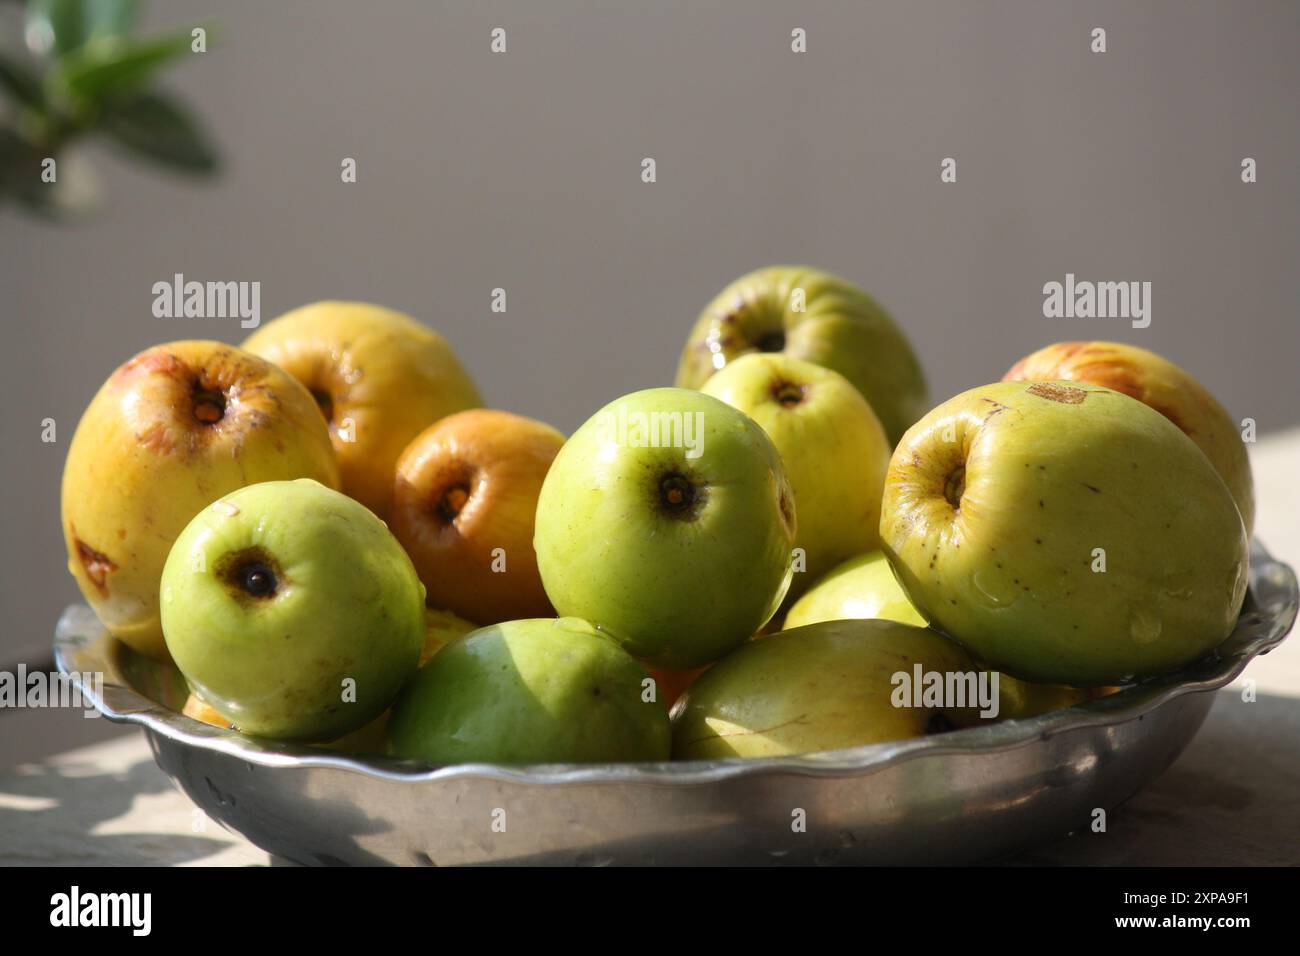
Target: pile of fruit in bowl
(783,553)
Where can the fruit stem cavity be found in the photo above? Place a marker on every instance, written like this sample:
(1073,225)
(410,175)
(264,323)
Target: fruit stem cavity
(209,405)
(452,502)
(955,487)
(788,394)
(678,495)
(325,402)
(257,580)
(250,574)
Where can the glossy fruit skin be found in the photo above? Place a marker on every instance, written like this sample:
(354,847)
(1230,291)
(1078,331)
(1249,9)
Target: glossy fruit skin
(840,327)
(347,604)
(537,691)
(381,379)
(861,587)
(1159,383)
(833,446)
(440,629)
(142,464)
(497,462)
(676,588)
(1053,471)
(823,687)
(865,587)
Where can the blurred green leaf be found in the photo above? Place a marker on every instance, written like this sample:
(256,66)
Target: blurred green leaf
(67,25)
(161,129)
(92,78)
(117,68)
(21,82)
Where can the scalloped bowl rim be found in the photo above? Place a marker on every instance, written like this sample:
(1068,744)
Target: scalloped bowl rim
(75,632)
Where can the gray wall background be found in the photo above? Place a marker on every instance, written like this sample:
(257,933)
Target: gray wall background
(522,170)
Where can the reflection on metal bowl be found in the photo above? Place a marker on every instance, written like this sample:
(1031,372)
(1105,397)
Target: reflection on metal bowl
(963,796)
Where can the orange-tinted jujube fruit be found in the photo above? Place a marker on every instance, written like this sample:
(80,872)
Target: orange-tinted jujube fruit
(464,506)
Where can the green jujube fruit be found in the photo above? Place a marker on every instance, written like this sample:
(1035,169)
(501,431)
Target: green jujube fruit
(865,587)
(811,315)
(1064,533)
(667,521)
(292,611)
(534,691)
(822,687)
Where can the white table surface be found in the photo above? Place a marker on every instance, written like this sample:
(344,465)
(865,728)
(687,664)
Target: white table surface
(1230,799)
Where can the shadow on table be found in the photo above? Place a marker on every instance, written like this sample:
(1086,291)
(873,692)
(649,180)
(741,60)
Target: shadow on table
(1228,800)
(48,813)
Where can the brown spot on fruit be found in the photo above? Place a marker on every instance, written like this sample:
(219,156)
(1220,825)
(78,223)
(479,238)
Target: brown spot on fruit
(786,504)
(97,565)
(997,408)
(1065,394)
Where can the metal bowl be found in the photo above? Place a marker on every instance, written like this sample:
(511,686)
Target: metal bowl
(957,797)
